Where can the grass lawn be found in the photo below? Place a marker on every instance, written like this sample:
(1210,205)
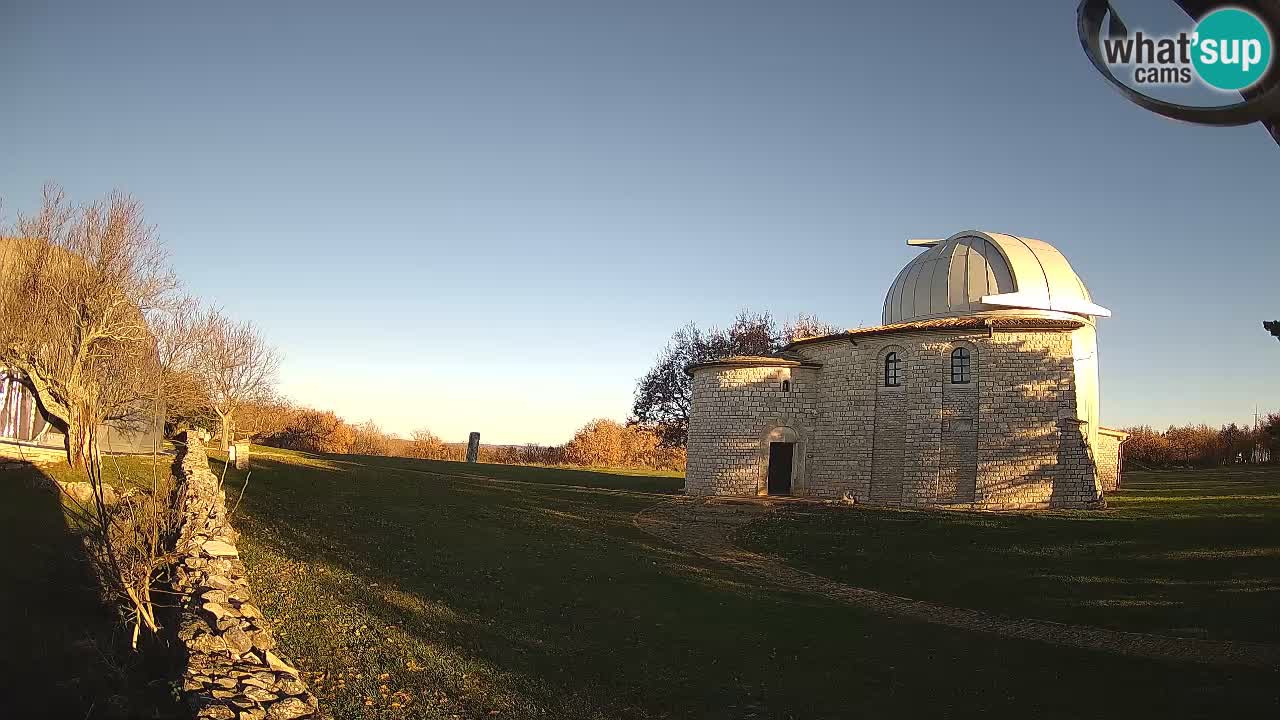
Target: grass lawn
(414,589)
(1194,553)
(651,481)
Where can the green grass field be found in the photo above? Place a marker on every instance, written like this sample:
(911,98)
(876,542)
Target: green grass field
(419,589)
(1193,554)
(422,589)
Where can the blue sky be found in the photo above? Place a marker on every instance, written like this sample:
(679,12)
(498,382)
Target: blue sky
(491,215)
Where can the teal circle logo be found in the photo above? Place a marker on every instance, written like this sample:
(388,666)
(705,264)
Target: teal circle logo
(1232,49)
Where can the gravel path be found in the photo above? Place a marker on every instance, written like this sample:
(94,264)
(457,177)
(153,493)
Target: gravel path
(707,527)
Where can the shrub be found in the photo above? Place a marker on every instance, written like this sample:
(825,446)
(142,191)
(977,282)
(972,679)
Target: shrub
(369,439)
(313,430)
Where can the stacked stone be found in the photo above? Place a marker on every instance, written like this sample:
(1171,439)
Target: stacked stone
(233,670)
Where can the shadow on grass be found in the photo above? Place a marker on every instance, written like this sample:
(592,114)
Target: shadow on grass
(1195,554)
(65,654)
(421,596)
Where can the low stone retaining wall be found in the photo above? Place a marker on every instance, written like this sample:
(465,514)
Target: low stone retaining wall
(233,671)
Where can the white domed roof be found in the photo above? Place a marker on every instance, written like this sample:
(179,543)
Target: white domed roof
(976,272)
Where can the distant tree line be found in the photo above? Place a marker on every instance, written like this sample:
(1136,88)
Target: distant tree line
(1203,445)
(599,443)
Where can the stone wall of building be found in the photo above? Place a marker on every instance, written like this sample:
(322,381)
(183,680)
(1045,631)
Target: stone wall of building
(958,451)
(233,669)
(1110,459)
(736,412)
(1031,449)
(847,406)
(1011,438)
(888,446)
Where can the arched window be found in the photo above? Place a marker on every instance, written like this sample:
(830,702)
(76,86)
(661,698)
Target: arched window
(960,366)
(892,370)
(786,386)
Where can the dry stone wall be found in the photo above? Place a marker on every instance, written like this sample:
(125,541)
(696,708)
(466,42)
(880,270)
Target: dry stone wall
(234,671)
(1009,439)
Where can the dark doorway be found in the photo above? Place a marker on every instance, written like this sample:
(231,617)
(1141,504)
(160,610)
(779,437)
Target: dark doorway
(780,454)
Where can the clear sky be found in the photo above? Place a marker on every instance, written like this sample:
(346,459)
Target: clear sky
(491,215)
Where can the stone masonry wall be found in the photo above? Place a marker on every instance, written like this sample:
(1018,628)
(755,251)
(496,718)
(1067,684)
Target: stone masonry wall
(915,444)
(734,411)
(1032,451)
(1110,452)
(958,455)
(1009,439)
(234,671)
(847,406)
(888,447)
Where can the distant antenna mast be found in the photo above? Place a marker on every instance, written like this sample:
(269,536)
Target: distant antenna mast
(1261,453)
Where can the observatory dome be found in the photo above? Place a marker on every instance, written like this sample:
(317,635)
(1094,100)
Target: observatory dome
(981,273)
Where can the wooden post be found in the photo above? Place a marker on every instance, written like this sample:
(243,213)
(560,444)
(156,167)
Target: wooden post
(473,447)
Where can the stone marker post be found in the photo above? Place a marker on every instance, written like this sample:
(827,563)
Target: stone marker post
(473,447)
(240,455)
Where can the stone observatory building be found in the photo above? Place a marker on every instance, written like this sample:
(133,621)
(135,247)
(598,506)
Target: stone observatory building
(979,390)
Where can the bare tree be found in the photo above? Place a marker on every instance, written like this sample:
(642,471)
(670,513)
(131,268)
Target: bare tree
(238,366)
(179,333)
(807,326)
(82,291)
(77,284)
